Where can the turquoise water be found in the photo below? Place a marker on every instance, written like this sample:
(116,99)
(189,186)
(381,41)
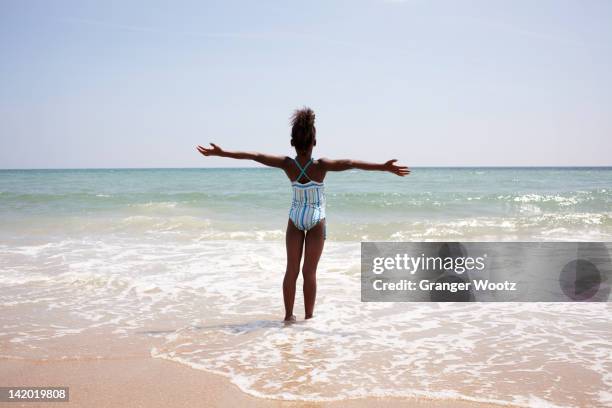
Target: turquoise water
(191,262)
(432,203)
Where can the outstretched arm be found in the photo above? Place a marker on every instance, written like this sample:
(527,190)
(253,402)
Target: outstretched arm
(266,159)
(341,165)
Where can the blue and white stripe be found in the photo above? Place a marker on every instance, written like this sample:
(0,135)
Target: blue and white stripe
(307,205)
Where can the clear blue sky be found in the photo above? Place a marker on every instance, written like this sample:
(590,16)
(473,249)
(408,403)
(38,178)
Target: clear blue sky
(139,83)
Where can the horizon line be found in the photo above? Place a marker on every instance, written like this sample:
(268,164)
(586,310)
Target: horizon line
(267,167)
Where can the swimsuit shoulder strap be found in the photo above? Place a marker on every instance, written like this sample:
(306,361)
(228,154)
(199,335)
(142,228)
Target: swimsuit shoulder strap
(303,169)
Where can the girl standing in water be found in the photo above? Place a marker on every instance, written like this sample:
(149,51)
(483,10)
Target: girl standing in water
(306,225)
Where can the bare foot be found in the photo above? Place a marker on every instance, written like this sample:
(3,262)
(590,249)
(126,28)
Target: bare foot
(290,319)
(308,317)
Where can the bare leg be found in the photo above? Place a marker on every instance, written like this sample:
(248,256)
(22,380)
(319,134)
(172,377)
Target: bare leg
(294,240)
(313,248)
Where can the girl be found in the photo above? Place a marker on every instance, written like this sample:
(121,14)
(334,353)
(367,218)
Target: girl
(306,224)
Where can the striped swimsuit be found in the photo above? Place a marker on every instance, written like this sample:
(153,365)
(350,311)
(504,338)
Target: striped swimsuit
(308,203)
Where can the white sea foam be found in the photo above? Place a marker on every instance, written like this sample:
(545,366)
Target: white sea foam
(224,300)
(563,201)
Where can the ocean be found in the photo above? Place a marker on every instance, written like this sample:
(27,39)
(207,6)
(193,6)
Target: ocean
(191,262)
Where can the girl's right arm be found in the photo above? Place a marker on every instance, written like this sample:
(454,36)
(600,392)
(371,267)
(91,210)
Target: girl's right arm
(341,165)
(265,159)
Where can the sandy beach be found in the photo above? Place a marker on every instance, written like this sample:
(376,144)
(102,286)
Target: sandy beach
(141,381)
(121,373)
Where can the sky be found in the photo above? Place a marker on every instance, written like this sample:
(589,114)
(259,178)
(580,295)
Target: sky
(86,84)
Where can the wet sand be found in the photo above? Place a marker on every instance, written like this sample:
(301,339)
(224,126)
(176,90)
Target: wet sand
(142,381)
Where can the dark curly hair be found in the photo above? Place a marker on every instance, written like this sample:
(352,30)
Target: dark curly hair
(303,130)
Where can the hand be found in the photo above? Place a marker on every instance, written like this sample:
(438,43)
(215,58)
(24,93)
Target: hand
(208,151)
(390,166)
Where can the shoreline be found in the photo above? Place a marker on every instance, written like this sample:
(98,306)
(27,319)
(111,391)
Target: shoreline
(142,381)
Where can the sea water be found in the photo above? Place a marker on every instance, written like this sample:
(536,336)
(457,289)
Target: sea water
(194,259)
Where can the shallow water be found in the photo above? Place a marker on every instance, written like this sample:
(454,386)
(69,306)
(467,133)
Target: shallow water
(196,258)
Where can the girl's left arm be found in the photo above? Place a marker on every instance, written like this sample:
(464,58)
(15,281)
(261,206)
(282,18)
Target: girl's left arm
(265,159)
(341,165)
